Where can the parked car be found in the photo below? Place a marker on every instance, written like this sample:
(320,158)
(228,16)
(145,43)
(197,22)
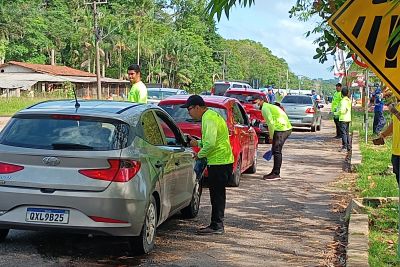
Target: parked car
(303,111)
(105,167)
(242,135)
(155,95)
(220,87)
(246,97)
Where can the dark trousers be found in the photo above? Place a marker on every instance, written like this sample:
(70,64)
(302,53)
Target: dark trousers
(344,133)
(396,166)
(336,121)
(277,144)
(218,176)
(379,122)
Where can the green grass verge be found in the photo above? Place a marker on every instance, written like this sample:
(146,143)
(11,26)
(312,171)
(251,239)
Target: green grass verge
(374,180)
(8,106)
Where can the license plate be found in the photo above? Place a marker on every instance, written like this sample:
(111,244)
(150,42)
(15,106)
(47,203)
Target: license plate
(47,215)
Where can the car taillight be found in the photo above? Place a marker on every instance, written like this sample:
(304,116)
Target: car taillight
(310,110)
(6,168)
(119,171)
(105,220)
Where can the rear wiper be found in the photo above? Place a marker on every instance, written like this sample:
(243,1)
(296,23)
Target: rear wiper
(71,146)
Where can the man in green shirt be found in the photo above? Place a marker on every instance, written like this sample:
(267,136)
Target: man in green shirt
(335,103)
(216,148)
(279,129)
(138,92)
(344,114)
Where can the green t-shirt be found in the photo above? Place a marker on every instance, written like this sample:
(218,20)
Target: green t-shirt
(276,119)
(215,144)
(337,97)
(138,93)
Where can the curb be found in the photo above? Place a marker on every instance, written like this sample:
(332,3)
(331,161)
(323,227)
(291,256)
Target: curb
(356,156)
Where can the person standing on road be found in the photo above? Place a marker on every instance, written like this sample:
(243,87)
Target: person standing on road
(279,128)
(344,114)
(337,97)
(216,148)
(138,92)
(271,96)
(379,119)
(394,130)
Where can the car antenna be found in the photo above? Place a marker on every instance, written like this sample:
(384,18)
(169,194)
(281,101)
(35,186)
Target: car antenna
(77,105)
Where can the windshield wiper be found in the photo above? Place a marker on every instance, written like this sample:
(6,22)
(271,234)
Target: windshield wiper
(71,146)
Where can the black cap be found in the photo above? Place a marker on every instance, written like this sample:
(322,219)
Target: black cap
(194,100)
(339,84)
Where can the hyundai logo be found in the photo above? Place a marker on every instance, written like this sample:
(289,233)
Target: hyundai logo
(51,161)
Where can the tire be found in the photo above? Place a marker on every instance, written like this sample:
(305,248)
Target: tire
(313,128)
(236,174)
(253,168)
(3,234)
(192,209)
(144,243)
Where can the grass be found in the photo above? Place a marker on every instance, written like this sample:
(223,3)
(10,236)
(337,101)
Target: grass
(375,180)
(9,106)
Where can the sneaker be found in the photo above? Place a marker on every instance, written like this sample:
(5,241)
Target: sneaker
(271,177)
(342,150)
(210,231)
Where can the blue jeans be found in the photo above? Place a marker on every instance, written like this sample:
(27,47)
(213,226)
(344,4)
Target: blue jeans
(379,122)
(344,133)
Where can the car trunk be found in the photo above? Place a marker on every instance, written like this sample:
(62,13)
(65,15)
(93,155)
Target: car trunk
(50,169)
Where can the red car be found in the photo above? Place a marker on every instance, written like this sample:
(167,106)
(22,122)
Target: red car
(242,135)
(246,98)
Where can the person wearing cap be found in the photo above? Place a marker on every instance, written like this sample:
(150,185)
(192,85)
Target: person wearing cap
(344,114)
(394,130)
(216,148)
(279,129)
(379,119)
(337,97)
(138,92)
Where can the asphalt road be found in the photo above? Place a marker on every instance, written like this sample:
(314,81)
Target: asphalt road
(276,223)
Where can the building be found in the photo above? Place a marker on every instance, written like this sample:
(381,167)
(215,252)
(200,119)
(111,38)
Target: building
(17,78)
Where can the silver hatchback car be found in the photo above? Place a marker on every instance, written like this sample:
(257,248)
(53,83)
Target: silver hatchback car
(107,168)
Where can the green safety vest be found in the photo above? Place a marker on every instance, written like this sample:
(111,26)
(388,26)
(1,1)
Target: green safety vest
(276,119)
(215,144)
(344,110)
(138,93)
(337,97)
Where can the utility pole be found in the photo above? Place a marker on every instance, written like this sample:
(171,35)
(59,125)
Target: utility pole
(97,41)
(287,79)
(224,53)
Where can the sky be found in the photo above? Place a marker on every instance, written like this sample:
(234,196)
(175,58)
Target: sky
(268,22)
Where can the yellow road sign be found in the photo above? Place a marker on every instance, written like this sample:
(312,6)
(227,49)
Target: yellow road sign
(365,26)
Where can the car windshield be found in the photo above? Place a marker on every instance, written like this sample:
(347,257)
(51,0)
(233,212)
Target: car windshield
(46,132)
(220,88)
(297,99)
(243,98)
(182,115)
(159,94)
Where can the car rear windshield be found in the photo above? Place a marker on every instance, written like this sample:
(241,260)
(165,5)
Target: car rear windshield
(243,97)
(296,99)
(159,94)
(64,132)
(182,115)
(220,88)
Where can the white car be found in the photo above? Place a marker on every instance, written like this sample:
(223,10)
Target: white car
(155,95)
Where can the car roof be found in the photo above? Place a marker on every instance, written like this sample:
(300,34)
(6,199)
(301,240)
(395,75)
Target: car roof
(121,110)
(165,89)
(230,82)
(242,90)
(212,99)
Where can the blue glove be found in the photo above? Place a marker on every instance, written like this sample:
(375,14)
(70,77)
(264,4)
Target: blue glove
(268,155)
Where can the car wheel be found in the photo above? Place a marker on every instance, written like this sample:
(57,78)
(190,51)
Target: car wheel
(3,234)
(237,174)
(253,168)
(144,243)
(192,209)
(313,128)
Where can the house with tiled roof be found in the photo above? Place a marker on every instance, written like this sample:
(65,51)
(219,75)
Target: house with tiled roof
(18,78)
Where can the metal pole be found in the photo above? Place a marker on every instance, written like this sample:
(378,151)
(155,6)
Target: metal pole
(366,105)
(138,47)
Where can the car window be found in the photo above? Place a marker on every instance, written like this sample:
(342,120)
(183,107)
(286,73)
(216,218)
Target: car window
(159,94)
(243,97)
(220,88)
(182,115)
(65,132)
(149,129)
(235,85)
(296,99)
(237,115)
(171,132)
